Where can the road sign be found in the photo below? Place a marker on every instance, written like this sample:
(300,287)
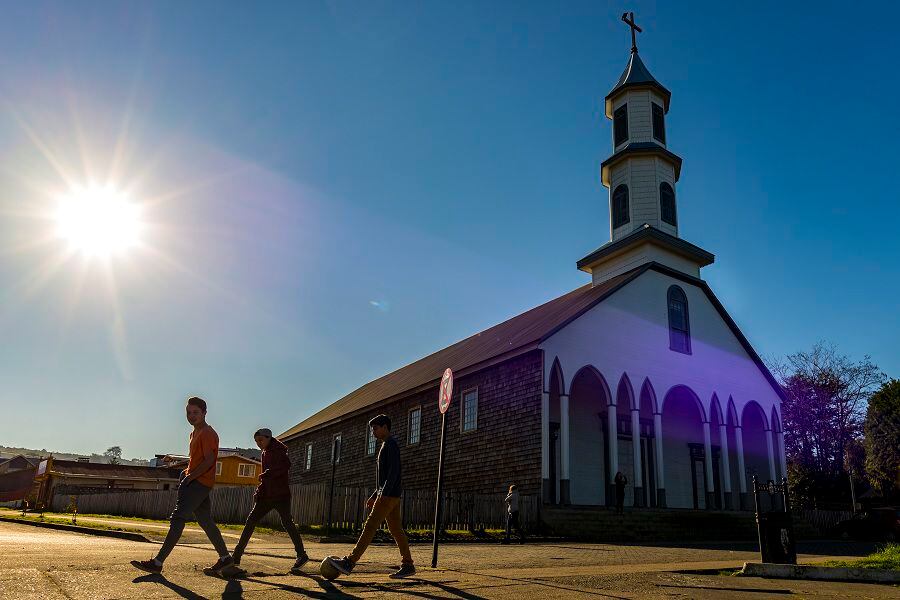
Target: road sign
(446,392)
(443,404)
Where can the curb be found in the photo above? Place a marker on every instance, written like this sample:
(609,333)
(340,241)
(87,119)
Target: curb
(776,571)
(122,535)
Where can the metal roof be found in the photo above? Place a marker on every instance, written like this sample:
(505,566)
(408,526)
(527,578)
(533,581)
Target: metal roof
(636,74)
(71,468)
(511,338)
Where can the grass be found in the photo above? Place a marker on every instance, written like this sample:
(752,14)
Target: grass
(885,558)
(415,535)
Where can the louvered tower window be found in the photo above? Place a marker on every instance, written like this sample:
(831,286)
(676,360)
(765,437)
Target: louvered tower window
(659,123)
(679,323)
(667,203)
(620,125)
(620,206)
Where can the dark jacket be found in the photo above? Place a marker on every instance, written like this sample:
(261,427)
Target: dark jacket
(273,481)
(387,475)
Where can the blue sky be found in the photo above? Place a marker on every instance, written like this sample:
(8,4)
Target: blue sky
(334,189)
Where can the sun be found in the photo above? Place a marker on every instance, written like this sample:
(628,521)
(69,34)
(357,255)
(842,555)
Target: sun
(98,221)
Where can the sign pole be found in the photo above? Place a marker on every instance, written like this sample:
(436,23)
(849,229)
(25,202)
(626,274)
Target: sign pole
(440,493)
(444,396)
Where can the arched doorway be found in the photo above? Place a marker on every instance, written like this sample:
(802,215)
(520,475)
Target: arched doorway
(588,468)
(648,410)
(756,453)
(628,435)
(553,493)
(682,426)
(735,459)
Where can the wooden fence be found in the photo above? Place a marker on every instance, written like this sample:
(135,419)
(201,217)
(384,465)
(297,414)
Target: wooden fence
(824,520)
(310,506)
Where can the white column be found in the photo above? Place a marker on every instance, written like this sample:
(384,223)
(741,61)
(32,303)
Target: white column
(771,453)
(638,480)
(564,436)
(726,460)
(781,453)
(613,435)
(739,441)
(657,429)
(545,436)
(707,462)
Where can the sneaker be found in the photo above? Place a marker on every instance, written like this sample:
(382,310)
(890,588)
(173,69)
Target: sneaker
(298,564)
(405,571)
(221,564)
(344,565)
(147,565)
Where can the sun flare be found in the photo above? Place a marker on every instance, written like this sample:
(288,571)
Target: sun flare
(98,221)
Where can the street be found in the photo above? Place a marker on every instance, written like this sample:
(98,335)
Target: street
(39,563)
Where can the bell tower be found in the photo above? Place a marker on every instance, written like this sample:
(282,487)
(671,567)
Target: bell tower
(641,175)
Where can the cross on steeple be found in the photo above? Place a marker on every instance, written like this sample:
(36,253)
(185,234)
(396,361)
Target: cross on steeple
(629,20)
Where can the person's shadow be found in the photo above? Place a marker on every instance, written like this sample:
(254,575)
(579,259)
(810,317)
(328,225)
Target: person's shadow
(233,589)
(161,579)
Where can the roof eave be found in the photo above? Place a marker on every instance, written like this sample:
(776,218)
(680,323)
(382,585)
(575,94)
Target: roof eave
(644,149)
(648,234)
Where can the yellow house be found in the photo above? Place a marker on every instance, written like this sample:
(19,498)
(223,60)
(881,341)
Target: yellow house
(234,469)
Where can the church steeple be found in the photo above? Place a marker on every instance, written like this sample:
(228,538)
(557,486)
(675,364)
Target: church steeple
(641,173)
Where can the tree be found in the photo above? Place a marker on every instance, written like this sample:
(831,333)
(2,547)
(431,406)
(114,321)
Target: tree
(882,429)
(824,410)
(114,454)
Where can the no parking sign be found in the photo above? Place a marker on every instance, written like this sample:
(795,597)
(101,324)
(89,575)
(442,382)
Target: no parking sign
(444,395)
(446,392)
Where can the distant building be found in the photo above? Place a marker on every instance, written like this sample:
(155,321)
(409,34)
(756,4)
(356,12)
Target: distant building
(16,477)
(231,468)
(74,477)
(18,462)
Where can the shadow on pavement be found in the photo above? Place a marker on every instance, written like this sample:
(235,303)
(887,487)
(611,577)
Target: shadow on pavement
(161,579)
(816,547)
(233,589)
(328,589)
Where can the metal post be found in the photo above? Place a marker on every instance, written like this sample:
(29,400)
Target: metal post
(852,491)
(440,491)
(334,456)
(759,523)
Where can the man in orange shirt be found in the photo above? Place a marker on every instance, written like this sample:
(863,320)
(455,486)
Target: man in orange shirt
(193,493)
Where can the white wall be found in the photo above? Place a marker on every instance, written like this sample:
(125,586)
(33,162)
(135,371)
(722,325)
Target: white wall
(628,333)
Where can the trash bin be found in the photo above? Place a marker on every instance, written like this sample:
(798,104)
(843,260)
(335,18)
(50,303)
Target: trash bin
(776,538)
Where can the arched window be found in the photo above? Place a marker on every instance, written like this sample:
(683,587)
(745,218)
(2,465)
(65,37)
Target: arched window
(620,206)
(667,203)
(679,323)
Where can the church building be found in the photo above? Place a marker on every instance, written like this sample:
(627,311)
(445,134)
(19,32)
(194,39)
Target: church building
(640,371)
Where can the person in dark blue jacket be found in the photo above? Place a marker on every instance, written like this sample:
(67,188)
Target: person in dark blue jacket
(384,502)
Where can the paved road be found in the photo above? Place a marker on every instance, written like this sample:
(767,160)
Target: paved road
(42,564)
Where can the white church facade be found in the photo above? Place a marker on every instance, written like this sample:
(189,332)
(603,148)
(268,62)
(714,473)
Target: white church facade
(641,371)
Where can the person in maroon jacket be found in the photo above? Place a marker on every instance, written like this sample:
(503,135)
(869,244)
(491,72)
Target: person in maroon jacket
(271,493)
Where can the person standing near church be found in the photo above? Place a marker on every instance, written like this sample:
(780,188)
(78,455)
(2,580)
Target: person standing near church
(193,493)
(512,515)
(272,492)
(621,481)
(384,502)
